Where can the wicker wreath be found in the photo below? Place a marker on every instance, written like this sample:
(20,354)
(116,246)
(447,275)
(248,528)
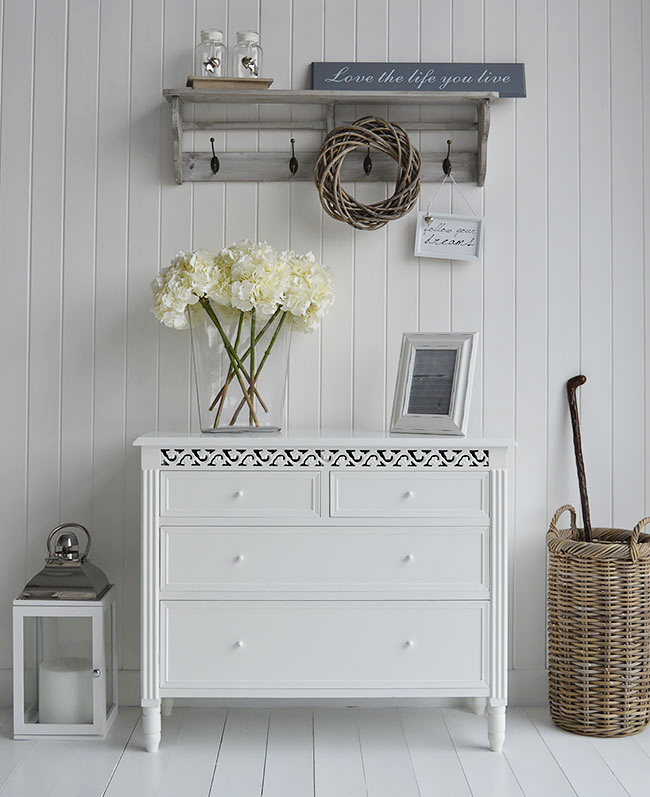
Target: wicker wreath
(380,136)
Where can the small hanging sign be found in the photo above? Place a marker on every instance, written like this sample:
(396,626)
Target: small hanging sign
(448,235)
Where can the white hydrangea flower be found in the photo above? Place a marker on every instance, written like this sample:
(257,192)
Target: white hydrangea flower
(309,292)
(243,277)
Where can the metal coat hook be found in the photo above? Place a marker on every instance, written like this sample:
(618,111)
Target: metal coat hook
(367,162)
(214,161)
(293,161)
(446,164)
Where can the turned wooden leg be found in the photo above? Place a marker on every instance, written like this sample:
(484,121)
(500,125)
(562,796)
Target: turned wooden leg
(151,727)
(496,727)
(478,705)
(167,706)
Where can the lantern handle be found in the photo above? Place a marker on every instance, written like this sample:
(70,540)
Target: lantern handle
(55,531)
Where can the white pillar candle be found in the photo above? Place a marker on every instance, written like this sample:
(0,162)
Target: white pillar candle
(65,691)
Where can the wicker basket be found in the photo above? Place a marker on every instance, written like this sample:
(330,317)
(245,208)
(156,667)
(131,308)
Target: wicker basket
(599,629)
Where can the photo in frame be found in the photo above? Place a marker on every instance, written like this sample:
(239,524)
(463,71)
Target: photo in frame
(434,383)
(448,236)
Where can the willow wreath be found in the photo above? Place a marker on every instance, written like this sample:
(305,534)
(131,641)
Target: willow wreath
(378,135)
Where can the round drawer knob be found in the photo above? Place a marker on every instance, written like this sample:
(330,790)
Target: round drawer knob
(408,494)
(408,643)
(97,672)
(239,643)
(239,494)
(239,557)
(408,557)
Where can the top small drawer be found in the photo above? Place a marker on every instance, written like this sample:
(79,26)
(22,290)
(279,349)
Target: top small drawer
(240,493)
(410,494)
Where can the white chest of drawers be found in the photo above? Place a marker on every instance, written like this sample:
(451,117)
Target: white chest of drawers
(324,566)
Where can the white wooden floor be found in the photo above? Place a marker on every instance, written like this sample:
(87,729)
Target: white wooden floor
(328,753)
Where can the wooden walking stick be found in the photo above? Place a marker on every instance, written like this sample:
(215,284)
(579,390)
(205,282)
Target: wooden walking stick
(571,387)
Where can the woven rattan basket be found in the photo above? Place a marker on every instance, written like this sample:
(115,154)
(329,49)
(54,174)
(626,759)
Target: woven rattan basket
(599,629)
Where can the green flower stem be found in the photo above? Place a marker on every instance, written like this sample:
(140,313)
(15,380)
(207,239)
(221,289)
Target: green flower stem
(233,420)
(246,354)
(234,360)
(252,379)
(229,377)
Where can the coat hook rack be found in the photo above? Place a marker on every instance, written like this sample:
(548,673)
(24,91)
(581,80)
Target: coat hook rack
(367,163)
(246,166)
(446,164)
(293,161)
(214,161)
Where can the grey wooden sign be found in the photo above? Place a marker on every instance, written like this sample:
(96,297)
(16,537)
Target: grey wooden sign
(508,79)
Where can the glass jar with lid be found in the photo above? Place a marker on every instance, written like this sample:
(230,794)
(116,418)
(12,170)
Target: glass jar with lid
(247,55)
(211,54)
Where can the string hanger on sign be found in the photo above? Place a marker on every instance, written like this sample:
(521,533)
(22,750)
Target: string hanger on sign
(446,168)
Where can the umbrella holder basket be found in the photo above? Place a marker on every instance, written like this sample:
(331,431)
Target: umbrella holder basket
(599,628)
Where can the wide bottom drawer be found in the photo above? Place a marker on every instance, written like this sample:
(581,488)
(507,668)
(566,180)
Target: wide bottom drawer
(321,644)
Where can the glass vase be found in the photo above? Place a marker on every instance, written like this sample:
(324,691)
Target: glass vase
(239,388)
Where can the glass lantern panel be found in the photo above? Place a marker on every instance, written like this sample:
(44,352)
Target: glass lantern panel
(58,670)
(109,619)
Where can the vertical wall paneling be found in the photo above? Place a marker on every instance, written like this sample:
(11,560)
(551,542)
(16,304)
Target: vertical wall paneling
(467,276)
(531,342)
(337,360)
(595,307)
(208,200)
(109,526)
(627,267)
(77,355)
(143,260)
(434,278)
(645,48)
(15,226)
(563,245)
(89,212)
(305,220)
(401,267)
(369,337)
(499,236)
(46,277)
(175,219)
(241,198)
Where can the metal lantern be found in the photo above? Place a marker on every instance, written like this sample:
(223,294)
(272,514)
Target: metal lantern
(65,656)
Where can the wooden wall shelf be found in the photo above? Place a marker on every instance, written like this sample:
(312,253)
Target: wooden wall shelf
(273,166)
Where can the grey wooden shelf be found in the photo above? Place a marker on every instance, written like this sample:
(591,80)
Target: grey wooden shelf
(273,166)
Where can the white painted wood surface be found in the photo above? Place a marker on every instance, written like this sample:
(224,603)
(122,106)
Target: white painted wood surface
(88,368)
(339,752)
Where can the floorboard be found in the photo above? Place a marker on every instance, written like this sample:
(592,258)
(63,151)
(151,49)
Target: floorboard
(71,769)
(629,761)
(532,762)
(289,770)
(239,767)
(386,761)
(437,768)
(191,763)
(581,763)
(338,766)
(488,774)
(139,773)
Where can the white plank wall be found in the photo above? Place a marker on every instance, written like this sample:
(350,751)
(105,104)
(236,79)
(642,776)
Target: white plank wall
(89,212)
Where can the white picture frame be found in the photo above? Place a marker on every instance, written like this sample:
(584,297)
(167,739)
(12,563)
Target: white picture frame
(434,383)
(449,236)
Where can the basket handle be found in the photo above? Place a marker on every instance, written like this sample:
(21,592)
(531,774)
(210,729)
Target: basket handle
(558,514)
(634,539)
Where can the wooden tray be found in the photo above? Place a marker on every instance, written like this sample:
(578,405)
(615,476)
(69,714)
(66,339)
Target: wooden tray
(228,82)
